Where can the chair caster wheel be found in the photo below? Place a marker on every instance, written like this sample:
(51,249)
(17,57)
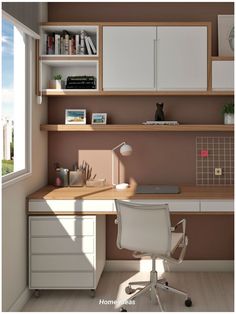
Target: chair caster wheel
(166,283)
(129,290)
(123,309)
(36,293)
(92,293)
(188,302)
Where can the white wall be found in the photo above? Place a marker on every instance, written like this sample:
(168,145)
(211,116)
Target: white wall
(14,219)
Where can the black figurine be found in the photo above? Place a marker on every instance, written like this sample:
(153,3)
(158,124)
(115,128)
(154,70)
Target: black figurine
(159,115)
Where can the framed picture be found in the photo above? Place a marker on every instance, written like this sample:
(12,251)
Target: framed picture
(99,118)
(226,35)
(75,116)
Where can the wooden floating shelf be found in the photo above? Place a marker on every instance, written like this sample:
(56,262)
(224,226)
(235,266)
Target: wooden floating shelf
(71,92)
(138,128)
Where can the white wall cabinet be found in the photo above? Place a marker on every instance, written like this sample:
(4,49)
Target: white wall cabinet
(223,75)
(182,58)
(129,58)
(163,58)
(66,252)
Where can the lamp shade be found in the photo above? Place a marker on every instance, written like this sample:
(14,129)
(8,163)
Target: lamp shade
(126,150)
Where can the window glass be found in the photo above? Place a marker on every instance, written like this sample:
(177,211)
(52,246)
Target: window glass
(14,99)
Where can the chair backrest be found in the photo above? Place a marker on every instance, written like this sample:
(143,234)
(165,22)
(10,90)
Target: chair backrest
(144,227)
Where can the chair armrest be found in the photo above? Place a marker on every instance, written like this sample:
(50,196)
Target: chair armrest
(183,243)
(181,222)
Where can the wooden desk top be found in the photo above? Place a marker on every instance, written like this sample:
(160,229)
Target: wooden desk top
(108,193)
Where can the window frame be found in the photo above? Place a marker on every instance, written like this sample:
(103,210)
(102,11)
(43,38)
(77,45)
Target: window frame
(19,175)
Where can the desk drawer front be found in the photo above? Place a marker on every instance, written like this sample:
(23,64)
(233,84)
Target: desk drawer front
(80,262)
(65,245)
(71,206)
(174,205)
(217,206)
(62,226)
(62,280)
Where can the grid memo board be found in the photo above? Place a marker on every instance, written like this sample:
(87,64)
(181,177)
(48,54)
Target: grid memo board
(215,160)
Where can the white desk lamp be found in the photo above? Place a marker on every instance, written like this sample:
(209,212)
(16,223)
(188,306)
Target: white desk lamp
(125,150)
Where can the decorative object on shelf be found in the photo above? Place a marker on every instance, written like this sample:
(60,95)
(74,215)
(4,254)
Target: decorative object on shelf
(75,116)
(79,177)
(125,150)
(226,35)
(99,118)
(159,115)
(81,82)
(62,176)
(161,123)
(228,111)
(57,82)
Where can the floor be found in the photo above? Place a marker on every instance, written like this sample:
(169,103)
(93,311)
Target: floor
(210,292)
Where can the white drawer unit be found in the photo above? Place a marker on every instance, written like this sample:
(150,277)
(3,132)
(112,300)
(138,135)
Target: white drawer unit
(66,252)
(217,205)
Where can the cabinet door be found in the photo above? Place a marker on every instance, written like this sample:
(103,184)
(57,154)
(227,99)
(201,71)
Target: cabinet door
(223,75)
(182,58)
(129,58)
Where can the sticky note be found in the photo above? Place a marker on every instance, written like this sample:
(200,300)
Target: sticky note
(204,153)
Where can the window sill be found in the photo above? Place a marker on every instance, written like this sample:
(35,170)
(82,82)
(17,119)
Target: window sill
(13,181)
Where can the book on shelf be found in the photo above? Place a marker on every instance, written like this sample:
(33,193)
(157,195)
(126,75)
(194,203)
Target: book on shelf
(88,46)
(62,49)
(77,47)
(50,45)
(57,44)
(92,45)
(67,43)
(82,42)
(161,123)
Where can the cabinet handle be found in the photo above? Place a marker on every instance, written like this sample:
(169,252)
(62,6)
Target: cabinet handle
(155,63)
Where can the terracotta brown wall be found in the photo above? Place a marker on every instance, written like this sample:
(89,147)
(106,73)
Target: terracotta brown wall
(158,157)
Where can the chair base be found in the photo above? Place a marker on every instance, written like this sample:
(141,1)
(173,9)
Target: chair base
(153,285)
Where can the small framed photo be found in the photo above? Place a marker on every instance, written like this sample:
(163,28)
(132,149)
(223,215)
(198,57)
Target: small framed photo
(99,118)
(75,116)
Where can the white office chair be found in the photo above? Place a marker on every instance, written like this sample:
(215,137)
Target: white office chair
(146,230)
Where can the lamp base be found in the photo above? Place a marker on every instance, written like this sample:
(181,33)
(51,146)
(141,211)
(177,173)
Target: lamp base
(122,186)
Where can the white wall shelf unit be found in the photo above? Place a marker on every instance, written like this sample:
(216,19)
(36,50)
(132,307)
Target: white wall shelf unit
(51,29)
(68,68)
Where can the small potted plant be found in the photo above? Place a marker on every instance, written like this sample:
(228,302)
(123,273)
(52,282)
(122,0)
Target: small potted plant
(228,111)
(57,82)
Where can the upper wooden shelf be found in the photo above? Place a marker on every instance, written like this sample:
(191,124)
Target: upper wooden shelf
(138,128)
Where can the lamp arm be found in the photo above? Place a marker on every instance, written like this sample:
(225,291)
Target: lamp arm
(113,149)
(113,161)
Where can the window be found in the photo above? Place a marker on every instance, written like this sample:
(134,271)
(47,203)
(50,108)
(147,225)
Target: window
(15,100)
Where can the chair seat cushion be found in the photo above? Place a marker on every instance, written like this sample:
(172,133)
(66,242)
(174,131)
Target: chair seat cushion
(176,238)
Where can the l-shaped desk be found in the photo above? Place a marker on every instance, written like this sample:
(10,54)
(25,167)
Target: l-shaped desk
(67,228)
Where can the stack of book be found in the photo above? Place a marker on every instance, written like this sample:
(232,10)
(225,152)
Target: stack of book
(81,82)
(69,44)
